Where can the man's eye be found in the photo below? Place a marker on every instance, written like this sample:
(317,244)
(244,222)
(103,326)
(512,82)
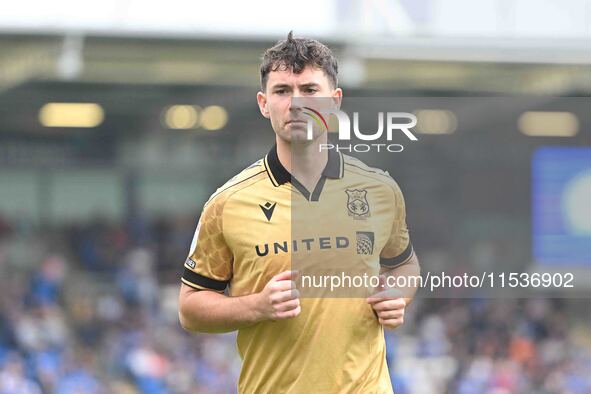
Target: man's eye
(280,91)
(311,90)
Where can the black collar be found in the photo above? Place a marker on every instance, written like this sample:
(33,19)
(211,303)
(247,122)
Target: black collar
(279,175)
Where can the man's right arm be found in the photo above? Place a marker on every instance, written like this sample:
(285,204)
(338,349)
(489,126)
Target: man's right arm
(211,312)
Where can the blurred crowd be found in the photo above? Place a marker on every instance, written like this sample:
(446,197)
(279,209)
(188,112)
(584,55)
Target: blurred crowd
(466,346)
(93,309)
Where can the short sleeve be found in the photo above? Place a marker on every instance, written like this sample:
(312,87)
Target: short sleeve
(209,264)
(398,249)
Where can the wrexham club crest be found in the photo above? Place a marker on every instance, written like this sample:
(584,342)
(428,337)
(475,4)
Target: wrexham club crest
(357,203)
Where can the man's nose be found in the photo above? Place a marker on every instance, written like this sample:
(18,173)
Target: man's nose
(296,102)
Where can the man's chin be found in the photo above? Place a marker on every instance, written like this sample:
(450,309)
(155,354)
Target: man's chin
(299,135)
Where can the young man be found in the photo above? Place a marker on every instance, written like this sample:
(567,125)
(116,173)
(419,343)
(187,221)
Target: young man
(244,241)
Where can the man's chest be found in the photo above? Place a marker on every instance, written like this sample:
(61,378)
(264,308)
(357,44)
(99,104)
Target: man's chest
(273,230)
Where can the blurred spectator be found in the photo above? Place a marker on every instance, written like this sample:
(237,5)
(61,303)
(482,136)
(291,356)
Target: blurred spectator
(13,378)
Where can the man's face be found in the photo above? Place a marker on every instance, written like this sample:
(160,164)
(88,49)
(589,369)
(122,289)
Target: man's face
(277,102)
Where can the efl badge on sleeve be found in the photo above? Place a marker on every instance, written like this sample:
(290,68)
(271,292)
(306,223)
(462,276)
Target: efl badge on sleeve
(357,203)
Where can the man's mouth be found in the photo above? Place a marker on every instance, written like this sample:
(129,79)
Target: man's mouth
(295,121)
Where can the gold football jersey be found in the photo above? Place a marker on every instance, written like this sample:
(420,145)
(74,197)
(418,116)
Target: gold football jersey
(263,222)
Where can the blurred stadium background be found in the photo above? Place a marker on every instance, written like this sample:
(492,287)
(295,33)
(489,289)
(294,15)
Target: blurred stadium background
(119,118)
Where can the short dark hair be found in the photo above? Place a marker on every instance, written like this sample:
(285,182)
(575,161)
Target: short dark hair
(295,54)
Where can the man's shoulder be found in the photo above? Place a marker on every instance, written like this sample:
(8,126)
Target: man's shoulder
(356,167)
(248,176)
(372,176)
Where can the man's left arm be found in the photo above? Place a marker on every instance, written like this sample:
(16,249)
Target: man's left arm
(399,269)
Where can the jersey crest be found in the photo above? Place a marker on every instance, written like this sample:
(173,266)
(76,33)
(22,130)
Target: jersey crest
(357,203)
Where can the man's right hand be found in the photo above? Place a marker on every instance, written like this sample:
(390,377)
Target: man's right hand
(280,298)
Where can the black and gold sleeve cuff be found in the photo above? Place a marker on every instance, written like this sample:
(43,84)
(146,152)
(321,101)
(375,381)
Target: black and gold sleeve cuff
(201,282)
(392,262)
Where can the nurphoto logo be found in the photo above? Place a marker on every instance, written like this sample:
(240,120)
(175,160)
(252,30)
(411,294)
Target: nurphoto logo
(395,122)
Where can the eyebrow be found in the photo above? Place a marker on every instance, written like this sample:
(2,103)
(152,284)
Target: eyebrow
(304,85)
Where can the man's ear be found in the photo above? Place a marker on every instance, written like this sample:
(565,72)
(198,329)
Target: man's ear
(262,101)
(337,96)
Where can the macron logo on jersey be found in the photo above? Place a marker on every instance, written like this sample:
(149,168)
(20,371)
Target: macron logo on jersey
(268,209)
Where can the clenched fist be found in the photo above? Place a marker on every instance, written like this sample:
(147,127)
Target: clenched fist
(279,299)
(388,305)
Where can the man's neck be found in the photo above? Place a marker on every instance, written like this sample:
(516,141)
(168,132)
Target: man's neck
(305,162)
